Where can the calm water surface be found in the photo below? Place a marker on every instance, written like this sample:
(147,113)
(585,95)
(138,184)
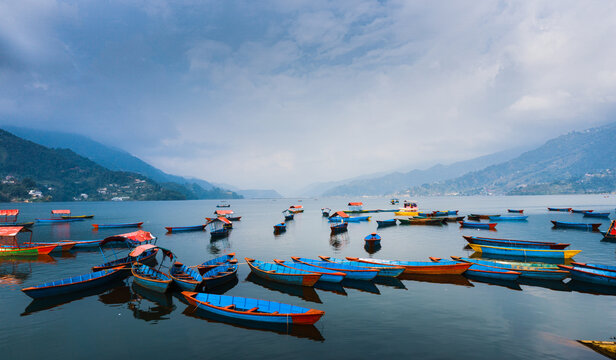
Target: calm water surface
(428,318)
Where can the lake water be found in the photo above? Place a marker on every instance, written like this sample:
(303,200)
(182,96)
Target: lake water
(427,318)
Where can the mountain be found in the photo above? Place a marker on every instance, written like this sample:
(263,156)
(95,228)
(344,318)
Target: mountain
(397,181)
(259,194)
(32,171)
(578,162)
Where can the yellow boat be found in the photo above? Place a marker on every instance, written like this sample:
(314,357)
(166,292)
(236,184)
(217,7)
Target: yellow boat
(605,348)
(406,213)
(498,250)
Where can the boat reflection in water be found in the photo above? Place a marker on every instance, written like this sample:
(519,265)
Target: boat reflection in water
(497,282)
(476,255)
(335,288)
(299,331)
(389,281)
(365,286)
(372,248)
(555,285)
(163,304)
(116,296)
(14,270)
(55,301)
(588,288)
(306,293)
(451,279)
(339,241)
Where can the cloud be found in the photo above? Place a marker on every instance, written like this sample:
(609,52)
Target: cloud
(280,94)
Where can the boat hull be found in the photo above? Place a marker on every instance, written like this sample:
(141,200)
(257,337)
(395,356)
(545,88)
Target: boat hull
(514,243)
(473,225)
(122,225)
(160,284)
(420,267)
(297,277)
(350,273)
(524,253)
(172,229)
(581,226)
(592,276)
(61,289)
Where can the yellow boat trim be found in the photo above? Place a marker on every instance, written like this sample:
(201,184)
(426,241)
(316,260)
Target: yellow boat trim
(566,253)
(406,213)
(606,348)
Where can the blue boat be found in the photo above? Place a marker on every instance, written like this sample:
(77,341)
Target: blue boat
(76,283)
(452,212)
(509,218)
(338,228)
(580,211)
(117,225)
(289,217)
(339,219)
(281,227)
(518,211)
(524,252)
(567,209)
(594,276)
(235,307)
(477,225)
(218,276)
(186,278)
(384,223)
(594,266)
(330,276)
(492,273)
(150,278)
(574,225)
(55,221)
(373,240)
(514,243)
(147,257)
(593,214)
(219,227)
(282,274)
(383,270)
(352,272)
(528,270)
(172,229)
(221,260)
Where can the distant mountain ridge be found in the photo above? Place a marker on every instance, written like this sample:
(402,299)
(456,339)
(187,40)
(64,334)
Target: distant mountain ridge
(578,162)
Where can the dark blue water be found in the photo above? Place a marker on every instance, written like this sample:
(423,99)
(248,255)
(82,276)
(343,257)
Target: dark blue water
(429,318)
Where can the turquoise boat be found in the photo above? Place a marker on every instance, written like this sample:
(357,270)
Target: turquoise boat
(221,260)
(282,274)
(352,272)
(492,273)
(383,270)
(509,218)
(184,277)
(594,214)
(528,270)
(330,276)
(150,278)
(594,276)
(574,225)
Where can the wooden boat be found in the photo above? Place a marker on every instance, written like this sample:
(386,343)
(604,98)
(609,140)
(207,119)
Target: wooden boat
(27,224)
(509,218)
(25,250)
(218,275)
(147,257)
(408,213)
(325,212)
(477,225)
(223,204)
(279,228)
(9,215)
(234,218)
(330,276)
(574,225)
(605,348)
(420,221)
(150,278)
(55,221)
(289,217)
(117,225)
(372,240)
(519,211)
(77,216)
(593,276)
(484,216)
(352,272)
(384,223)
(492,273)
(610,234)
(594,266)
(514,243)
(61,246)
(218,227)
(420,267)
(295,209)
(448,218)
(184,277)
(529,270)
(597,214)
(221,260)
(282,274)
(525,253)
(172,229)
(383,270)
(76,283)
(235,307)
(567,209)
(338,228)
(10,246)
(580,211)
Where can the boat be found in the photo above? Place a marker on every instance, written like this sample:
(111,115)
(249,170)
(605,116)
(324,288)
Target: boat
(75,283)
(580,211)
(574,225)
(597,214)
(137,255)
(610,234)
(383,270)
(605,348)
(405,212)
(519,211)
(236,307)
(445,219)
(384,223)
(477,225)
(172,229)
(288,215)
(184,277)
(566,209)
(330,276)
(394,201)
(279,228)
(420,221)
(338,228)
(528,270)
(352,272)
(372,240)
(593,276)
(61,246)
(514,243)
(117,225)
(295,209)
(509,218)
(420,267)
(9,215)
(524,252)
(221,260)
(55,221)
(349,218)
(77,216)
(282,274)
(223,204)
(492,273)
(150,278)
(325,212)
(10,246)
(134,238)
(27,224)
(234,218)
(218,275)
(594,266)
(218,227)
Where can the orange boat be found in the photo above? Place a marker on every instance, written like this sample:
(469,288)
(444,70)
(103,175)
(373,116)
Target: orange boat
(9,246)
(420,267)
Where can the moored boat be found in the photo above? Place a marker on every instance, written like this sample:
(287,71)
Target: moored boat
(518,211)
(139,254)
(477,225)
(296,209)
(117,225)
(172,229)
(525,252)
(594,266)
(330,276)
(236,307)
(484,216)
(61,246)
(594,276)
(420,221)
(280,227)
(352,272)
(325,212)
(10,246)
(384,223)
(509,218)
(529,270)
(221,260)
(218,227)
(492,273)
(605,348)
(372,240)
(75,283)
(514,243)
(580,211)
(420,267)
(55,221)
(574,225)
(383,270)
(150,278)
(338,228)
(282,274)
(595,214)
(218,275)
(184,277)
(565,209)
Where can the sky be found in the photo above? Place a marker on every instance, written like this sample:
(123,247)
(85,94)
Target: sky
(281,94)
